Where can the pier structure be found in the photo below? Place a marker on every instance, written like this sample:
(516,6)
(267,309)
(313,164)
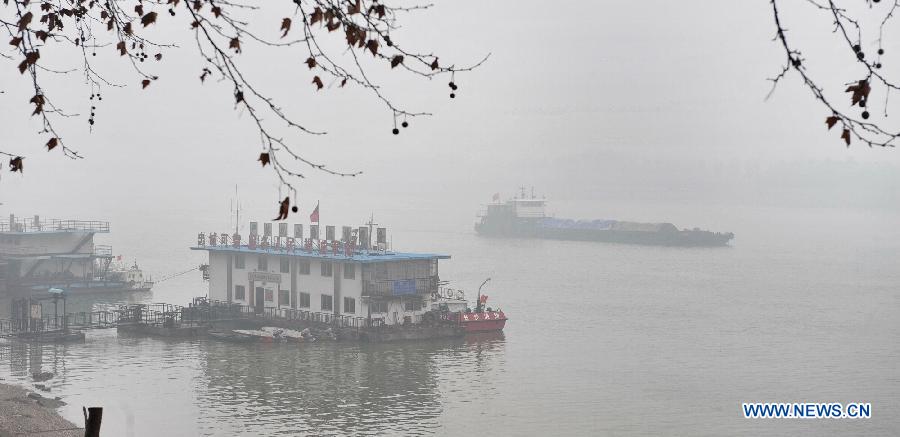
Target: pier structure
(38,254)
(201,315)
(346,274)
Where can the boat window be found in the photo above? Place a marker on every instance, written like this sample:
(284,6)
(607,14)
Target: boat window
(379,307)
(285,264)
(284,297)
(349,305)
(327,302)
(239,261)
(304,300)
(262,263)
(303,267)
(239,292)
(326,268)
(349,271)
(413,305)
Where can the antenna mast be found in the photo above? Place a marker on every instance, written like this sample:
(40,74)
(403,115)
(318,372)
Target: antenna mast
(371,223)
(236,207)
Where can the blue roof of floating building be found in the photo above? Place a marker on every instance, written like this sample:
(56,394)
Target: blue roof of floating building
(361,256)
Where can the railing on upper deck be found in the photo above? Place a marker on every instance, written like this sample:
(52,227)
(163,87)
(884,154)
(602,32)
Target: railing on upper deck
(102,250)
(30,225)
(205,309)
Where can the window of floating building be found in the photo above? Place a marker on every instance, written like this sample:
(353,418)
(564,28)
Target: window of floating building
(304,300)
(327,302)
(285,264)
(379,307)
(303,267)
(239,292)
(270,295)
(349,271)
(239,261)
(262,263)
(284,297)
(326,268)
(349,305)
(413,305)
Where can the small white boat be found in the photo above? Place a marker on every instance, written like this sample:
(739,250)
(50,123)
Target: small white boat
(289,334)
(253,333)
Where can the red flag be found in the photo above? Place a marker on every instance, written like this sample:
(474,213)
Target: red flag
(496,197)
(314,217)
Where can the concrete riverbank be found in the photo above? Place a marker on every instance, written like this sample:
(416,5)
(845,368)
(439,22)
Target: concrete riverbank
(23,412)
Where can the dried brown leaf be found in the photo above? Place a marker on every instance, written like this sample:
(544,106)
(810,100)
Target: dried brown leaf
(25,21)
(15,164)
(285,26)
(316,16)
(148,19)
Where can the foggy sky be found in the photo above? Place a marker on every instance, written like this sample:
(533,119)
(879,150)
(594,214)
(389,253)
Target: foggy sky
(605,107)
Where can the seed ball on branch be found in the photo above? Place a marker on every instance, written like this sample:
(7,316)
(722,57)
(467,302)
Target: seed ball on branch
(880,51)
(452,95)
(865,115)
(294,208)
(404,124)
(856,48)
(396,131)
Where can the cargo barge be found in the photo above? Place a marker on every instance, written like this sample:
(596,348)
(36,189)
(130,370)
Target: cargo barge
(525,217)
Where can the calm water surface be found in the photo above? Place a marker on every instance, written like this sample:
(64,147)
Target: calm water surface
(603,340)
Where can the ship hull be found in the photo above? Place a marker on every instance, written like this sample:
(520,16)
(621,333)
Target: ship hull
(486,321)
(668,237)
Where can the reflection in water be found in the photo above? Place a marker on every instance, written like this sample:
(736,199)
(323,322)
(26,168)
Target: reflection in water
(208,387)
(328,388)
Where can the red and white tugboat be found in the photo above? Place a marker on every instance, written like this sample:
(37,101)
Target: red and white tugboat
(481,319)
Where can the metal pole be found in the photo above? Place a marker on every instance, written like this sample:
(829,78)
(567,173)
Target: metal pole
(478,303)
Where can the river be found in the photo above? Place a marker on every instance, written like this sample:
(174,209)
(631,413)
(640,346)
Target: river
(604,339)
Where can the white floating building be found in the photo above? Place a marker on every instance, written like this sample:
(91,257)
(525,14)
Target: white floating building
(347,277)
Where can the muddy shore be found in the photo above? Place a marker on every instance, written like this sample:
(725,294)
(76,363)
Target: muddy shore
(24,412)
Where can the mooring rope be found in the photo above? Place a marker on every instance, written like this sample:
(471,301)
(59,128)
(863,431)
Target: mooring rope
(175,275)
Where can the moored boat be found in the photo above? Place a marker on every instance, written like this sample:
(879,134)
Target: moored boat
(452,307)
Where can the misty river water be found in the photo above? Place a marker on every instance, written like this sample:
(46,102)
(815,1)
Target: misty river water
(604,339)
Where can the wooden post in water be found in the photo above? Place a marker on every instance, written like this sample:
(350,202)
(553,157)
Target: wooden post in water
(92,418)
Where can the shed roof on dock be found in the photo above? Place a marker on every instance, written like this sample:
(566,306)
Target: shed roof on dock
(360,256)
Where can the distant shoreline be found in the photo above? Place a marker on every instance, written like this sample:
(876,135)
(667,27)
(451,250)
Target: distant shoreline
(23,412)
